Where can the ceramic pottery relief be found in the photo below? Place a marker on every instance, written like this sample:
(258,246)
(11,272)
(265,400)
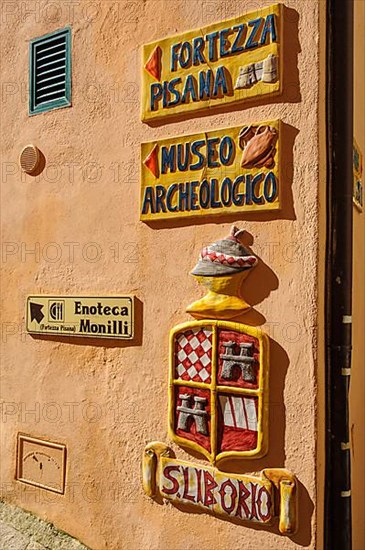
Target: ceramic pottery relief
(218,402)
(212,173)
(258,146)
(222,64)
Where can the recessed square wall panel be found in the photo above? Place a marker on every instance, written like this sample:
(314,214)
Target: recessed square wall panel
(41,463)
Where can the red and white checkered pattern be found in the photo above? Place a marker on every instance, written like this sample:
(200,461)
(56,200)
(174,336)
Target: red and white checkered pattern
(193,359)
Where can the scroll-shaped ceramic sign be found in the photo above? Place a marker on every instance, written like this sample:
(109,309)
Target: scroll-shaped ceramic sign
(224,171)
(257,498)
(221,64)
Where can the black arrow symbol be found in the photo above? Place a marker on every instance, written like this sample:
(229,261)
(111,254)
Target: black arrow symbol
(36,312)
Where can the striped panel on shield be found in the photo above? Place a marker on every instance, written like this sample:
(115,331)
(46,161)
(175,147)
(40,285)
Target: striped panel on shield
(239,412)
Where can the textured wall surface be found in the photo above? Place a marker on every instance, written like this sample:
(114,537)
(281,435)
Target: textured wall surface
(107,401)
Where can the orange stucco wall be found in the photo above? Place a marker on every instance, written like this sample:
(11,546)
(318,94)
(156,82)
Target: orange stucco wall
(105,402)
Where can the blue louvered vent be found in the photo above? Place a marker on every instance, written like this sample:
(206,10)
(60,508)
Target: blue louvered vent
(50,72)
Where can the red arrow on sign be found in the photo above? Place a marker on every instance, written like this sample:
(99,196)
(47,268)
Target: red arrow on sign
(153,65)
(151,161)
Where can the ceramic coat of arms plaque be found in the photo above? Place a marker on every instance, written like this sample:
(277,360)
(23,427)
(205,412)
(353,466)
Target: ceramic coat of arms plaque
(218,374)
(218,402)
(222,64)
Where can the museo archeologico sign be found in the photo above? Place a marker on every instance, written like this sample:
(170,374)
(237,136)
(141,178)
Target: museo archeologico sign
(109,317)
(224,171)
(257,498)
(221,64)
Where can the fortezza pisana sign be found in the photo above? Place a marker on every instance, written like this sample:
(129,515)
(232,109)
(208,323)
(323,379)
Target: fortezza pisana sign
(212,173)
(110,317)
(222,64)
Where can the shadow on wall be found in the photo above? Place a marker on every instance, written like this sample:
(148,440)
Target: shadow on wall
(256,288)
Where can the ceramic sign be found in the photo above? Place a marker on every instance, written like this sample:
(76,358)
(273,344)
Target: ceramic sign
(109,317)
(212,173)
(257,498)
(219,65)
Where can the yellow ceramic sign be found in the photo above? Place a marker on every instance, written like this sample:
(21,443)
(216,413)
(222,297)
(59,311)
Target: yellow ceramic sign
(111,317)
(212,173)
(218,65)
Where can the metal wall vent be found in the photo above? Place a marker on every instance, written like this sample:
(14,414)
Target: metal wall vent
(30,159)
(50,72)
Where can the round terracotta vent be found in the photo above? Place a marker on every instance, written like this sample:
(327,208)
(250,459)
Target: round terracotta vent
(30,159)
